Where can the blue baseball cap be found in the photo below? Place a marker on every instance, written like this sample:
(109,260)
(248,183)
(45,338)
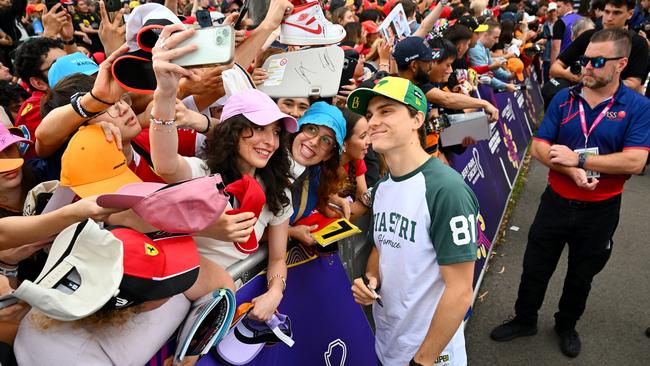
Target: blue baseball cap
(70,64)
(323,114)
(411,49)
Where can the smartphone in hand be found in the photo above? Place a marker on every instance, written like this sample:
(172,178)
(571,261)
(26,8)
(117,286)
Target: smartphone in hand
(349,65)
(216,46)
(49,4)
(204,18)
(242,15)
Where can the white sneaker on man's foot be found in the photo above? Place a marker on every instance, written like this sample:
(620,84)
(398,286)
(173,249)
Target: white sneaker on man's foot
(307,26)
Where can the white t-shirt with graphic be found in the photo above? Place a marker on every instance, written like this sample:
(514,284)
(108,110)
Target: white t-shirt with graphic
(421,221)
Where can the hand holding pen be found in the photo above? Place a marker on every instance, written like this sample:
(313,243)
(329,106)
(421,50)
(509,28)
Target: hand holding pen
(364,291)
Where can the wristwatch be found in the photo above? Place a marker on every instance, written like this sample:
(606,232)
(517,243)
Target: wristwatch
(68,43)
(414,363)
(582,157)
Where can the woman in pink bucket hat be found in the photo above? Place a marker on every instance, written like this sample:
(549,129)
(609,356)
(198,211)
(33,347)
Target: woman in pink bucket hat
(13,184)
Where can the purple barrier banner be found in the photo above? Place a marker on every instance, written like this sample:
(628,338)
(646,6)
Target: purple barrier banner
(483,174)
(513,126)
(491,167)
(534,99)
(329,328)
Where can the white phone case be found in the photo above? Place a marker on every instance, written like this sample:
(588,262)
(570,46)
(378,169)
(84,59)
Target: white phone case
(216,46)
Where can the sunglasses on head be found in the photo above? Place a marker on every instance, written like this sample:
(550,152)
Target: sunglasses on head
(596,62)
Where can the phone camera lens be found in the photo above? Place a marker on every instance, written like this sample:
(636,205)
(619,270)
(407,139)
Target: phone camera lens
(219,40)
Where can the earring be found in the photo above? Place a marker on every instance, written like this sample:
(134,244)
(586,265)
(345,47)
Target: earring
(343,148)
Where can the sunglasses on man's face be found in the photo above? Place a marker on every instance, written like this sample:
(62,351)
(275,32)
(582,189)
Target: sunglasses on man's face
(596,62)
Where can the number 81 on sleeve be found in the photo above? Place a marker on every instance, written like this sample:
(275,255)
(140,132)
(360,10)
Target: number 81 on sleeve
(463,229)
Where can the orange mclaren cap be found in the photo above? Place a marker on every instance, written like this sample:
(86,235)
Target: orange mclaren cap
(517,66)
(9,165)
(91,165)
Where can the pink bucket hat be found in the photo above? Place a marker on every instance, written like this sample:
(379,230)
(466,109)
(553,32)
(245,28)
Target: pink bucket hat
(259,108)
(185,207)
(8,138)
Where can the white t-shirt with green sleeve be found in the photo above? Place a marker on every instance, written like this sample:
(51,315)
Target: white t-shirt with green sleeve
(421,221)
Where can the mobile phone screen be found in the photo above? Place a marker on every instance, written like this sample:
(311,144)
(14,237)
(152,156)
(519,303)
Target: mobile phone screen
(50,4)
(242,15)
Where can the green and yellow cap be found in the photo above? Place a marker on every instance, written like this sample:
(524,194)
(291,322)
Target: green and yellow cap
(399,89)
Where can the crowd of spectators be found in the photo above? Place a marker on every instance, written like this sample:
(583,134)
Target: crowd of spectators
(66,104)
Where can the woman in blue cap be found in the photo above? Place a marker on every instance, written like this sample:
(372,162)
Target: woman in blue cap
(316,155)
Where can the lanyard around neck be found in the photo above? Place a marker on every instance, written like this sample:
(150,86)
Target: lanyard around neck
(583,120)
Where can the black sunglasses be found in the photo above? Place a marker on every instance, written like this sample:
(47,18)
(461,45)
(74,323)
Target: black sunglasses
(596,62)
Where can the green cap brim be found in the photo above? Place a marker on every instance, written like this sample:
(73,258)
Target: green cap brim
(359,98)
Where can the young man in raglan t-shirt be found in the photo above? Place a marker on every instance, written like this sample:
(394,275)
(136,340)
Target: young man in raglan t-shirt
(424,231)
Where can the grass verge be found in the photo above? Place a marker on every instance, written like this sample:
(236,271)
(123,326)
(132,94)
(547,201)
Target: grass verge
(520,182)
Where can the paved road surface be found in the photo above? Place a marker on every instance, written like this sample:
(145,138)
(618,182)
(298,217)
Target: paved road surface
(618,311)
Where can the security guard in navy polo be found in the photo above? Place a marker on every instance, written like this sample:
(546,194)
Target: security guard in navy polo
(593,137)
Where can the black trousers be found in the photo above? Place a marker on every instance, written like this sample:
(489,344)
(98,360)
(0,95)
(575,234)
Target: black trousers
(588,229)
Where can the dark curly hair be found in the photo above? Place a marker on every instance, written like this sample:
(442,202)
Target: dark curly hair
(371,14)
(222,152)
(11,96)
(30,56)
(457,33)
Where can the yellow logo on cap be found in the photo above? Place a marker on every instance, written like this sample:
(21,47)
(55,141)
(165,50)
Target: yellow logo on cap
(150,250)
(355,102)
(417,101)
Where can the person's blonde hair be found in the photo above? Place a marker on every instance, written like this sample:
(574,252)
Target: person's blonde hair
(102,318)
(478,6)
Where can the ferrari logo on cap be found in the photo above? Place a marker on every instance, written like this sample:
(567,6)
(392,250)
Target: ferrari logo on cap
(28,107)
(150,250)
(355,102)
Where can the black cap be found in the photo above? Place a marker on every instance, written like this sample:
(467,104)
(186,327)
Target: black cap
(472,23)
(411,49)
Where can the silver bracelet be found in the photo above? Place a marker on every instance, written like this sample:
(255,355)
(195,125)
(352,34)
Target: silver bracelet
(277,275)
(366,198)
(163,122)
